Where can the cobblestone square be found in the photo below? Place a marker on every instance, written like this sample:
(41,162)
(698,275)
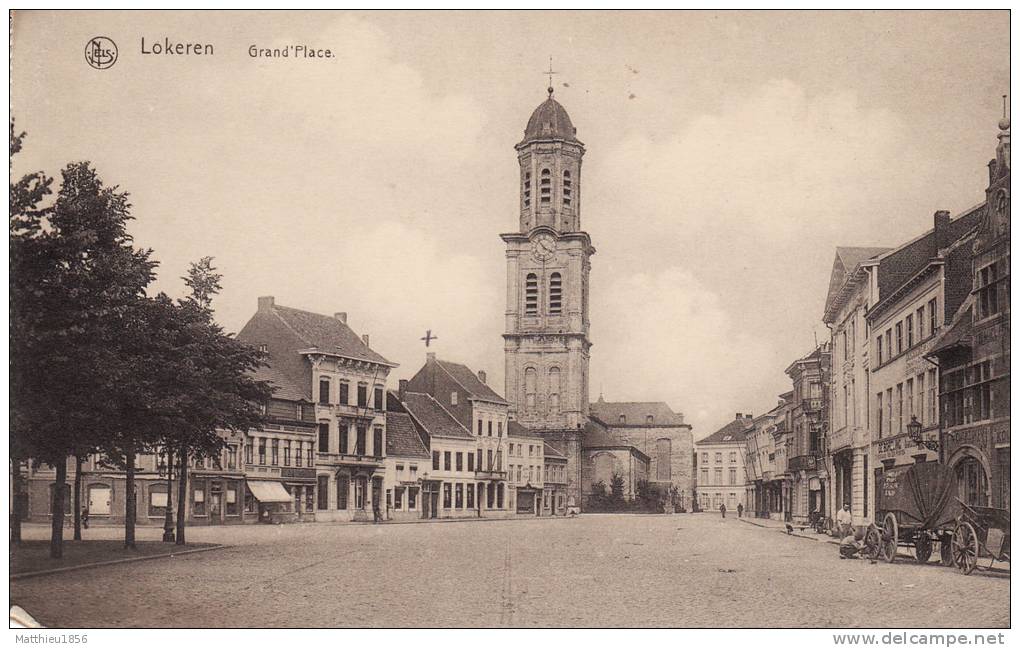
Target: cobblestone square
(594,570)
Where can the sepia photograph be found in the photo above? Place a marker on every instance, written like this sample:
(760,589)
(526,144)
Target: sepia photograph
(484,319)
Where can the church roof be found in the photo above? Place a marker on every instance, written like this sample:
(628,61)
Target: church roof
(635,414)
(597,435)
(549,121)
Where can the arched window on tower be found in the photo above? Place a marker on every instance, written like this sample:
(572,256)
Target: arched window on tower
(530,386)
(554,390)
(531,294)
(527,189)
(568,189)
(545,186)
(555,294)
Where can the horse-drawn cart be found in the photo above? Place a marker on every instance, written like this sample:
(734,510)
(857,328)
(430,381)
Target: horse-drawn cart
(981,531)
(917,507)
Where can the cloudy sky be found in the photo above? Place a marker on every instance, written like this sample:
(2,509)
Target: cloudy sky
(728,154)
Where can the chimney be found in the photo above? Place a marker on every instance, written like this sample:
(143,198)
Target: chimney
(266,304)
(941,230)
(749,416)
(481,376)
(402,389)
(341,316)
(739,415)
(364,338)
(430,356)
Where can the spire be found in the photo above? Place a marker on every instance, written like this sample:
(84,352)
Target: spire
(1002,150)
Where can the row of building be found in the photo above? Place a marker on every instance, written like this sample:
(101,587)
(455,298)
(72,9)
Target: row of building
(342,444)
(916,370)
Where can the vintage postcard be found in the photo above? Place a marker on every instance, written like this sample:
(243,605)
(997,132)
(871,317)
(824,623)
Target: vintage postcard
(511,319)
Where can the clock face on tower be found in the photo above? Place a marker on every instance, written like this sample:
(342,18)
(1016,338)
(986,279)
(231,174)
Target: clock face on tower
(543,247)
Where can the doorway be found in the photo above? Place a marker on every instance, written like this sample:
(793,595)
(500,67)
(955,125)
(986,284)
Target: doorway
(99,499)
(216,503)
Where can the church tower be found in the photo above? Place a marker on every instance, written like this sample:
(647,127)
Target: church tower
(548,261)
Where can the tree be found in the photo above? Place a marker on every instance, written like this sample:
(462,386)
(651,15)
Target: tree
(212,387)
(616,485)
(26,216)
(75,278)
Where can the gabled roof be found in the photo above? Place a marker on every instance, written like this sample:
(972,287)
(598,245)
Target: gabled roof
(402,438)
(732,432)
(553,453)
(899,265)
(515,429)
(636,413)
(283,387)
(432,416)
(958,333)
(327,334)
(469,381)
(844,269)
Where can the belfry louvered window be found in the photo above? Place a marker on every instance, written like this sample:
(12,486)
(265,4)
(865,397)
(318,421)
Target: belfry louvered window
(545,186)
(531,295)
(527,189)
(555,294)
(568,189)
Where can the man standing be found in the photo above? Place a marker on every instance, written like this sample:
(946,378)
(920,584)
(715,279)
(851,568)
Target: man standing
(722,509)
(843,521)
(740,509)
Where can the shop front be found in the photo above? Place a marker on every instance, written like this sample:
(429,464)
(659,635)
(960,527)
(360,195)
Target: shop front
(272,502)
(979,457)
(527,498)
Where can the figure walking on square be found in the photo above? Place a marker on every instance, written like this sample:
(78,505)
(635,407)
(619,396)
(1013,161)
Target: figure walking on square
(85,517)
(722,509)
(740,510)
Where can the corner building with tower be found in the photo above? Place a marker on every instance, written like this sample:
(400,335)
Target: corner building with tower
(547,343)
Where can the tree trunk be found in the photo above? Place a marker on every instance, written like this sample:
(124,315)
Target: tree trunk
(16,487)
(182,493)
(130,508)
(57,508)
(77,497)
(168,521)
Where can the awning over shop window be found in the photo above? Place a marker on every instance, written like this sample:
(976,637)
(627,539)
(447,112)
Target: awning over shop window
(268,491)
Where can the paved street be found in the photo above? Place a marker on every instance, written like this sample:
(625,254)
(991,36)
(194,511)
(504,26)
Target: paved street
(682,570)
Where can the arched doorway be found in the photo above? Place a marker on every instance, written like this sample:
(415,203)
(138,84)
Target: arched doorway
(971,480)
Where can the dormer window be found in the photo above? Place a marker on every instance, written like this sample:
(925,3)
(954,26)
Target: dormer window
(453,398)
(527,189)
(545,186)
(567,189)
(264,348)
(555,294)
(623,419)
(650,420)
(531,294)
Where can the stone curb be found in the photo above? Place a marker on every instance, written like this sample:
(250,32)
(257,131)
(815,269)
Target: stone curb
(795,535)
(60,570)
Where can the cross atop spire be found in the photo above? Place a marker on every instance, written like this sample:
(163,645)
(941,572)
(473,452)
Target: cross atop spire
(550,72)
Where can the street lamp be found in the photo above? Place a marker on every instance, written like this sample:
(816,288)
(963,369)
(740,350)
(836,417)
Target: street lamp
(914,433)
(168,520)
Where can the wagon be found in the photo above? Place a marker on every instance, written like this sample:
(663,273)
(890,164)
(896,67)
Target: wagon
(981,531)
(917,507)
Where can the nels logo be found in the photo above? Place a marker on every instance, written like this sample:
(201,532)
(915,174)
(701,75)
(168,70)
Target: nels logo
(101,52)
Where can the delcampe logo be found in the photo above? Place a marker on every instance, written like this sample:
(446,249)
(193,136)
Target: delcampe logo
(101,52)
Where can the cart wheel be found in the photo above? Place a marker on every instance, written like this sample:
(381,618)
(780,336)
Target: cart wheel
(873,543)
(946,549)
(922,546)
(890,537)
(965,547)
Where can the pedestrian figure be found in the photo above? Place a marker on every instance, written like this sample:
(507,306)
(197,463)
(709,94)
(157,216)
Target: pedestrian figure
(85,517)
(722,509)
(740,510)
(852,544)
(843,521)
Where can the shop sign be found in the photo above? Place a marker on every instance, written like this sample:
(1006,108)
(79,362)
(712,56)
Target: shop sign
(891,447)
